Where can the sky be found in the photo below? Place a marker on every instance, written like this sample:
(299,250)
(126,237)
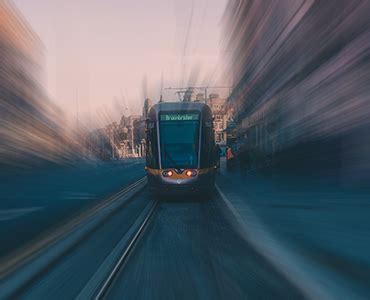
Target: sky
(102,58)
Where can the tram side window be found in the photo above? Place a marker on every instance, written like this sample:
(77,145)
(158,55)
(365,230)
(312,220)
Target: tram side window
(152,146)
(207,157)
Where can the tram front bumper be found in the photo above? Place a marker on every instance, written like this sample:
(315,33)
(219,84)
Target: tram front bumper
(192,184)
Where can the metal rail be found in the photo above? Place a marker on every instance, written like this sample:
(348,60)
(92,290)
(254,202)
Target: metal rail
(118,266)
(39,256)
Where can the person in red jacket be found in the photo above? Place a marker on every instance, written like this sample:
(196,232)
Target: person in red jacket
(229,157)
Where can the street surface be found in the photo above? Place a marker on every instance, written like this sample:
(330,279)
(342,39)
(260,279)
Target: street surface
(254,237)
(191,251)
(33,202)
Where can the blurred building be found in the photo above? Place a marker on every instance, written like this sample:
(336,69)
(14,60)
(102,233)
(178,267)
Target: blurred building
(31,127)
(146,107)
(199,97)
(220,116)
(100,145)
(120,140)
(113,132)
(127,134)
(300,71)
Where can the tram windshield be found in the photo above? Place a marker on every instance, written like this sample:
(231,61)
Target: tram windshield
(179,139)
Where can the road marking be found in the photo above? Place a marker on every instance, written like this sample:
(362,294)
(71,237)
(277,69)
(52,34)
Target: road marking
(14,213)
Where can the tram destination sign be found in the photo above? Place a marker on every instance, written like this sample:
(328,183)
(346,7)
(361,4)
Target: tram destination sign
(179,117)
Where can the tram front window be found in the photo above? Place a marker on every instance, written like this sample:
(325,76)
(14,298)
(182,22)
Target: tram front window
(179,140)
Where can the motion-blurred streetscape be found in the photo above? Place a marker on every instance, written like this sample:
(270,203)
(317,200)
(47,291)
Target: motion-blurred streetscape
(288,86)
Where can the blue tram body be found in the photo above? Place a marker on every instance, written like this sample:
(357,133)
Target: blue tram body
(180,153)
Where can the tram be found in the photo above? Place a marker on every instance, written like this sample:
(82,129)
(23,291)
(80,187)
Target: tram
(180,152)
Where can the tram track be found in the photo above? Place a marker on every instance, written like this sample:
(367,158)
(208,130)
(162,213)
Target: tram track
(19,272)
(188,248)
(142,222)
(151,247)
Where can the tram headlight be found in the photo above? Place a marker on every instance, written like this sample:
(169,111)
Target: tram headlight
(167,173)
(191,173)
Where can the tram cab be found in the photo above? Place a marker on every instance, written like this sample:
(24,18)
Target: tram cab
(180,150)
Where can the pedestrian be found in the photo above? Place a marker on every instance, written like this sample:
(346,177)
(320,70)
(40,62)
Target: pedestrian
(229,158)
